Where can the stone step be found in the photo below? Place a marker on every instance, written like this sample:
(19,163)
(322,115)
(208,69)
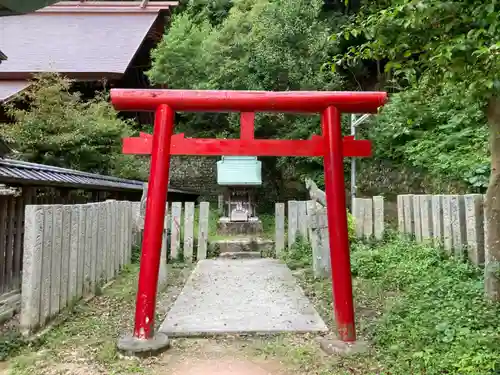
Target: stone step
(234,228)
(243,244)
(240,255)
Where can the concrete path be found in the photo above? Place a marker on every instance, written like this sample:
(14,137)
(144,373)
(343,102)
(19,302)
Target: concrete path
(244,296)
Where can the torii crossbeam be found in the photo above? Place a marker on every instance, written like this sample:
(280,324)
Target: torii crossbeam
(330,145)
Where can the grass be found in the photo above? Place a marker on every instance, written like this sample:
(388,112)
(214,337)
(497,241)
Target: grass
(86,342)
(438,320)
(421,312)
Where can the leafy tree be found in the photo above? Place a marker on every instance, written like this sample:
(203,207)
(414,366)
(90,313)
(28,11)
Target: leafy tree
(448,45)
(61,129)
(440,131)
(213,11)
(259,45)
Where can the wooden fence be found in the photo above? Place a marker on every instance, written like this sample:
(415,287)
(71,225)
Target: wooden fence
(70,251)
(455,223)
(368,214)
(11,241)
(308,220)
(13,201)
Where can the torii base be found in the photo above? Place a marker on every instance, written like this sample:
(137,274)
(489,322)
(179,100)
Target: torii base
(134,347)
(334,346)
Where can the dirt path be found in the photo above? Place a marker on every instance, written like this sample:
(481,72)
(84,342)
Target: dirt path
(85,343)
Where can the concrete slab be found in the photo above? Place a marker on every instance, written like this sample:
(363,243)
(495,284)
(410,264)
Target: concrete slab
(242,296)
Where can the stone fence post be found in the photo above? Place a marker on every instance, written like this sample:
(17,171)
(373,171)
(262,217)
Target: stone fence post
(454,223)
(318,223)
(368,216)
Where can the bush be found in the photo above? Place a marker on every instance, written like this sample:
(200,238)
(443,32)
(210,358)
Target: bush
(59,127)
(300,253)
(443,132)
(437,321)
(351,227)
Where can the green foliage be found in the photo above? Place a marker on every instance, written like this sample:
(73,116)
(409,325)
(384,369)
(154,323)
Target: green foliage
(136,254)
(437,320)
(268,224)
(442,56)
(442,131)
(453,39)
(299,255)
(60,128)
(10,343)
(213,11)
(351,227)
(260,45)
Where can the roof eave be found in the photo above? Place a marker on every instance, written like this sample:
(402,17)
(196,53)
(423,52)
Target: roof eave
(79,76)
(109,7)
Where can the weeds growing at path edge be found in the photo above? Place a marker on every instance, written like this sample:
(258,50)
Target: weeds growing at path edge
(86,342)
(428,313)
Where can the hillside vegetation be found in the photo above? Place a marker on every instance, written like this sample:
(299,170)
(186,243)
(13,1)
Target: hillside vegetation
(439,70)
(437,58)
(435,123)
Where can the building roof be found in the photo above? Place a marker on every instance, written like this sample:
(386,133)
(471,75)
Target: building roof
(11,7)
(24,173)
(10,88)
(82,40)
(16,172)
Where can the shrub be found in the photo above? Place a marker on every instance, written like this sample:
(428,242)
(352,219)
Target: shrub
(437,320)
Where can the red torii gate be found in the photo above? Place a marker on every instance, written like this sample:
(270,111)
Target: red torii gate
(330,145)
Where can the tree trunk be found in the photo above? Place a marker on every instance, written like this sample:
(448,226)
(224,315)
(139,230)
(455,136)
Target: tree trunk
(492,206)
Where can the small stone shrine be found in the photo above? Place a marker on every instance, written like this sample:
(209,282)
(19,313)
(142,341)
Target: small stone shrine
(241,176)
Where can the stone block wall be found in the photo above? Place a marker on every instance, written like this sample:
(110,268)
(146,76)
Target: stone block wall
(196,173)
(199,173)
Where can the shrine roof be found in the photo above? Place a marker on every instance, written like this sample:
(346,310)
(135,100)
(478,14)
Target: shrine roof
(90,40)
(24,173)
(9,88)
(17,172)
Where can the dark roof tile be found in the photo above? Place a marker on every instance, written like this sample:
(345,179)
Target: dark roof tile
(96,44)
